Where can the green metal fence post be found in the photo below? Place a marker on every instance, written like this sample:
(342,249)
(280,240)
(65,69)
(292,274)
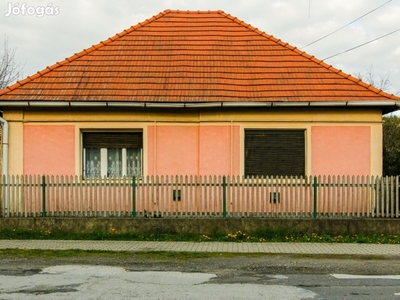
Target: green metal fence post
(133,197)
(224,196)
(43,196)
(315,196)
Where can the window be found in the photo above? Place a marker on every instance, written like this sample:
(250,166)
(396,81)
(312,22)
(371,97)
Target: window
(112,154)
(273,152)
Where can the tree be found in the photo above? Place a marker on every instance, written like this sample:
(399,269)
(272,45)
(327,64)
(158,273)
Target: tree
(379,81)
(10,71)
(391,125)
(391,146)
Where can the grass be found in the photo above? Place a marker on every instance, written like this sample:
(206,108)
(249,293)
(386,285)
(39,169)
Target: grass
(138,257)
(238,236)
(146,255)
(168,257)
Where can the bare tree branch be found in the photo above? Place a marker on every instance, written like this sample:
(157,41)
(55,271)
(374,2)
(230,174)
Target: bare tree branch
(10,71)
(382,82)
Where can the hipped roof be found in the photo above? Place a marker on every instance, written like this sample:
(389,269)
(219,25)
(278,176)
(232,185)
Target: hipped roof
(193,57)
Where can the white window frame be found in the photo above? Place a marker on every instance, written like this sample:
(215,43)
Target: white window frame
(104,161)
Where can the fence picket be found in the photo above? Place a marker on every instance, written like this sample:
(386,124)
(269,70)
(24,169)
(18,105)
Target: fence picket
(201,196)
(13,195)
(216,188)
(377,197)
(209,199)
(362,201)
(23,193)
(279,196)
(299,196)
(191,196)
(357,197)
(162,198)
(168,206)
(382,202)
(18,197)
(396,197)
(368,197)
(388,202)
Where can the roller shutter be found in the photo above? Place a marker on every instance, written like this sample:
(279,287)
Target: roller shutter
(113,140)
(274,152)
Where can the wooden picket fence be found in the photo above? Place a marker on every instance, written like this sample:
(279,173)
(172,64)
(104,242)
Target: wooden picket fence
(200,197)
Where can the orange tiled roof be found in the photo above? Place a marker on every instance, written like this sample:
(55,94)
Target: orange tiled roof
(191,56)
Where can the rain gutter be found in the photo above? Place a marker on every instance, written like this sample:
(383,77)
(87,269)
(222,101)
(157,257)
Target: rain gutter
(391,103)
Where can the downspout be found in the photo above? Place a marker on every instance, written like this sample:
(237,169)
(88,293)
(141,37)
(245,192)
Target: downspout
(5,162)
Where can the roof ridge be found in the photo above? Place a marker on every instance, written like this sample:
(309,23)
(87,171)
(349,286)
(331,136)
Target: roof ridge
(82,53)
(192,11)
(311,57)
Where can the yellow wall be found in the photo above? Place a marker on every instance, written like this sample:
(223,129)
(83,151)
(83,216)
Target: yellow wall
(15,142)
(330,114)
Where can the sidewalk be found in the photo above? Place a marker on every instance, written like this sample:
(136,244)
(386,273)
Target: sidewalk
(386,250)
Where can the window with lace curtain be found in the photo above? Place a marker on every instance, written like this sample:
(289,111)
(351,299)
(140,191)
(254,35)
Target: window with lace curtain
(112,154)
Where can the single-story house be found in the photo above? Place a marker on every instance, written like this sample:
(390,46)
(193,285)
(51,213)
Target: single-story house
(193,93)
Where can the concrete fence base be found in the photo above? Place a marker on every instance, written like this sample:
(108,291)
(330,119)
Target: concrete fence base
(205,226)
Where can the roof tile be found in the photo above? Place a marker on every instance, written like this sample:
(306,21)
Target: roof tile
(192,56)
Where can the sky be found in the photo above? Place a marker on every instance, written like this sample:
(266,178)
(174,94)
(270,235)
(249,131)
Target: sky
(43,32)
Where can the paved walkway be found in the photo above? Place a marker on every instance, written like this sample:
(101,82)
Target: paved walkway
(134,246)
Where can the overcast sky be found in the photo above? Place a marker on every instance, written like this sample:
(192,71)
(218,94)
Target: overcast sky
(47,31)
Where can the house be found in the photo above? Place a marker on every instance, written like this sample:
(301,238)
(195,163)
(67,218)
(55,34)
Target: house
(194,93)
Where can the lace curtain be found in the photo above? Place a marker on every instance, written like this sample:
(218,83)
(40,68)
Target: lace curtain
(118,163)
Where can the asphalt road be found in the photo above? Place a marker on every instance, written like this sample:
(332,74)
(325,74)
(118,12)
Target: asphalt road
(225,277)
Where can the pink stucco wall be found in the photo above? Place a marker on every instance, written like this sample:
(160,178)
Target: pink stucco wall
(340,150)
(215,150)
(193,150)
(49,149)
(176,150)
